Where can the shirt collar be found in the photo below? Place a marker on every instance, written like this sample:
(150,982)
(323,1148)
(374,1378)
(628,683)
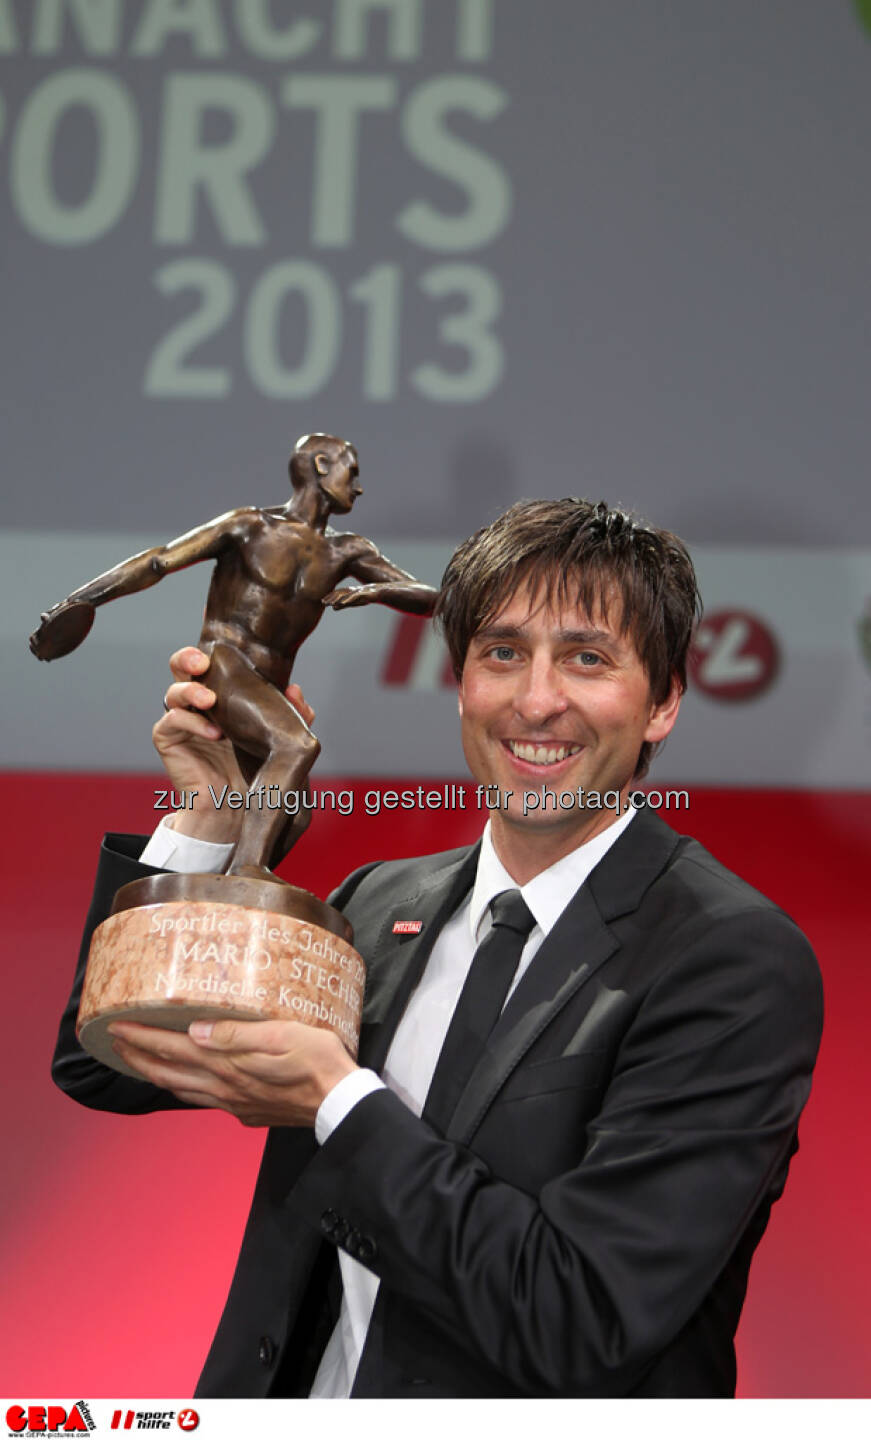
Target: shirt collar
(547,894)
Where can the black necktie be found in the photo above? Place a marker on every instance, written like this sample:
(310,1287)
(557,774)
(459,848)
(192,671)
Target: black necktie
(480,1004)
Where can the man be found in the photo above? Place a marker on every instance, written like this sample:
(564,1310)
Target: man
(575,1209)
(275,571)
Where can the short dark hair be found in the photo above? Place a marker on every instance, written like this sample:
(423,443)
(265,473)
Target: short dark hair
(579,552)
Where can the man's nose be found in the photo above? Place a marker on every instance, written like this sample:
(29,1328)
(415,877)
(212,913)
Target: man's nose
(540,692)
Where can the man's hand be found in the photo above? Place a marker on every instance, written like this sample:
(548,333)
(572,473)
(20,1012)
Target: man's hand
(265,1072)
(195,753)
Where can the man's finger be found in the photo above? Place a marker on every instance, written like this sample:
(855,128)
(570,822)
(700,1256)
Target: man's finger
(183,724)
(165,1073)
(187,662)
(170,1048)
(299,702)
(211,1078)
(268,1037)
(189,694)
(198,1098)
(172,1045)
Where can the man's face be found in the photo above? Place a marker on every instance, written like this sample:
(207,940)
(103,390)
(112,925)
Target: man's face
(555,698)
(341,482)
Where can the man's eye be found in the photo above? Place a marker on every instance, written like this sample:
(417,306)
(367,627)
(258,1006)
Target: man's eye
(588,659)
(502,652)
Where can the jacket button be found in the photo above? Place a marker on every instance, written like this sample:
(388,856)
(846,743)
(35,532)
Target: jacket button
(366,1249)
(266,1351)
(329,1222)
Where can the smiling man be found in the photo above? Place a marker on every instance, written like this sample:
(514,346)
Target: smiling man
(580,1077)
(548,702)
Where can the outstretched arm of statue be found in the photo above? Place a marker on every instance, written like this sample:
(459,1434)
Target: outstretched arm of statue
(383,584)
(66,624)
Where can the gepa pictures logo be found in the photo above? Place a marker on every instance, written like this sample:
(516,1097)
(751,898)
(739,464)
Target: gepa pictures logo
(26,1420)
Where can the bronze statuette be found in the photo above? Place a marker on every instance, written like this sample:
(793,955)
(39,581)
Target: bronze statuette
(182,947)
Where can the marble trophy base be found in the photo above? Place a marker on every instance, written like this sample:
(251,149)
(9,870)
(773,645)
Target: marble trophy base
(178,948)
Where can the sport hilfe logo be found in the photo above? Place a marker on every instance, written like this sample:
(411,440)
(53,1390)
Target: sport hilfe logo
(186,1419)
(49,1419)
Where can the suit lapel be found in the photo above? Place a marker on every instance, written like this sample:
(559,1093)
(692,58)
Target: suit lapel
(401,959)
(579,943)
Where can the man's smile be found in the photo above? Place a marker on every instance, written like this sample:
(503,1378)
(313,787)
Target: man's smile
(538,752)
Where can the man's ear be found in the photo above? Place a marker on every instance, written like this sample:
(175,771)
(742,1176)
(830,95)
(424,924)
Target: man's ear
(663,716)
(322,464)
(460,696)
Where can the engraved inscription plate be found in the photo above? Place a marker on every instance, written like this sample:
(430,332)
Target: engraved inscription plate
(169,964)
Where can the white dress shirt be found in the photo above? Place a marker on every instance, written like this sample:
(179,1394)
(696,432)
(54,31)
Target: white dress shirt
(184,854)
(420,1034)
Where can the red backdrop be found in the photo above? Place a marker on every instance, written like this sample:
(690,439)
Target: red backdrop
(120,1234)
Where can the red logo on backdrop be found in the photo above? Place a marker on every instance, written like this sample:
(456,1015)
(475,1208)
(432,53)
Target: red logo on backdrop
(734,656)
(416,657)
(188,1419)
(48,1419)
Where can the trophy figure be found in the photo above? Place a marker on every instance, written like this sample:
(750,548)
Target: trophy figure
(245,944)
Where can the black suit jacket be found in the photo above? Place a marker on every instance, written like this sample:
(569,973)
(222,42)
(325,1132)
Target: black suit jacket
(585,1227)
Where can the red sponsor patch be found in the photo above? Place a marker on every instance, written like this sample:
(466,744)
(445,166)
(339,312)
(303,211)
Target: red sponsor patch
(407,927)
